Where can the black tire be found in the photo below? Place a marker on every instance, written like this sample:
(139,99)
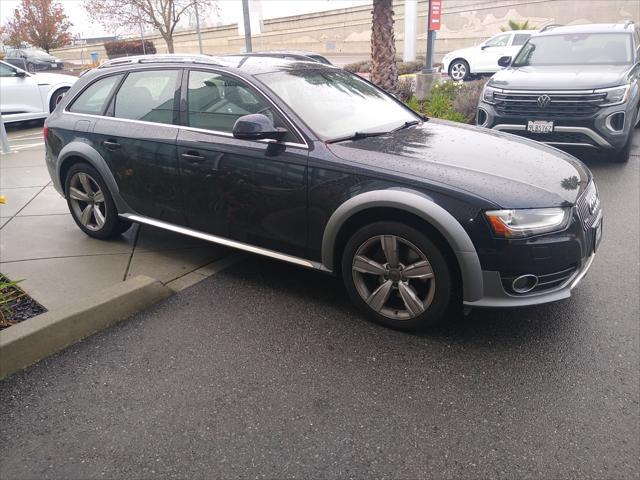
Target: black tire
(459,70)
(622,156)
(112,225)
(31,68)
(56,98)
(437,291)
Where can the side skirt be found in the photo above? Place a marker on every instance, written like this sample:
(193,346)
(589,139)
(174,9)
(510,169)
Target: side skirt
(225,241)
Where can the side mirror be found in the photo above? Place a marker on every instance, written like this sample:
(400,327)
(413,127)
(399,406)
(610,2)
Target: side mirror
(255,127)
(23,55)
(484,47)
(504,61)
(20,73)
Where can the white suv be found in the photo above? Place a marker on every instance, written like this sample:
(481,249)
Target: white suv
(483,58)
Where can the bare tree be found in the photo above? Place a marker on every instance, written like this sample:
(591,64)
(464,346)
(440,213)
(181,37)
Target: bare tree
(161,15)
(384,72)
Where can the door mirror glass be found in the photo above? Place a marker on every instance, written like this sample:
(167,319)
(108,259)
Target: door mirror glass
(504,61)
(257,126)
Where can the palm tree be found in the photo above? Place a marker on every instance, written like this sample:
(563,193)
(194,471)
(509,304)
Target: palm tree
(513,25)
(383,47)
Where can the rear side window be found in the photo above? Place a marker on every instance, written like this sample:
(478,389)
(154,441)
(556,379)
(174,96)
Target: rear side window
(148,96)
(93,100)
(520,38)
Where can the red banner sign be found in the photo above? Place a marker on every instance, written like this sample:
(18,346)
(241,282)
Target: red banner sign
(435,12)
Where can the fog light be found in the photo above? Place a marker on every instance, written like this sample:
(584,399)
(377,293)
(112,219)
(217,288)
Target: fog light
(524,283)
(615,122)
(482,117)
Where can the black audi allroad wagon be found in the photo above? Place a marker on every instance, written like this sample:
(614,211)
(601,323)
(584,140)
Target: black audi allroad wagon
(309,164)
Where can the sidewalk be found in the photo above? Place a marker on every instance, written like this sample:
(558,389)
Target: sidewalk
(40,242)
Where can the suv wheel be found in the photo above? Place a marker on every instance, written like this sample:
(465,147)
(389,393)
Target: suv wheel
(459,70)
(396,275)
(91,204)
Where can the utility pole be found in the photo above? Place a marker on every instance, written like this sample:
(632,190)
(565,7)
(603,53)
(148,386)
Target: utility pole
(195,4)
(247,26)
(410,30)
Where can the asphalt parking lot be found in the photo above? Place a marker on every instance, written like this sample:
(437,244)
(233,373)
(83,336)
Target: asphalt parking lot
(265,370)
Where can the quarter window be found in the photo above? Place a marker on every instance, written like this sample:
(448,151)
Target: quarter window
(93,100)
(520,38)
(215,102)
(148,96)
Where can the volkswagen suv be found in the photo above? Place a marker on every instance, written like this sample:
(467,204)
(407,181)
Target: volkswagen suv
(309,164)
(573,86)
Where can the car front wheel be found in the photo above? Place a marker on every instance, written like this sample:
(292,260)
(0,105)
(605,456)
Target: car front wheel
(56,98)
(459,70)
(91,204)
(397,276)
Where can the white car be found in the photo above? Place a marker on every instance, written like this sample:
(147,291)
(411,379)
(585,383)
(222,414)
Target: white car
(29,96)
(483,59)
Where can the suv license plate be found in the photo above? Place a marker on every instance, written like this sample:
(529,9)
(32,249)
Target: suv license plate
(597,235)
(539,126)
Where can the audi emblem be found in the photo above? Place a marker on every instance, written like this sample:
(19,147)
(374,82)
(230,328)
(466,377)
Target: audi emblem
(544,101)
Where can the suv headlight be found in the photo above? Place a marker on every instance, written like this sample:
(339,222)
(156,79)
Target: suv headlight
(527,222)
(615,95)
(487,94)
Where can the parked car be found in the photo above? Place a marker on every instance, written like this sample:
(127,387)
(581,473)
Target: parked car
(33,59)
(312,165)
(29,96)
(482,59)
(286,54)
(573,86)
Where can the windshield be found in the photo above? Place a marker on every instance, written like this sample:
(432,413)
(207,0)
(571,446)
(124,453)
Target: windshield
(576,49)
(335,103)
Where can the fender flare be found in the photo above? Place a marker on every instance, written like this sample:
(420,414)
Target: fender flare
(423,207)
(91,156)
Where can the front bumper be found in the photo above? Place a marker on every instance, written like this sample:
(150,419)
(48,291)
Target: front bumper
(592,132)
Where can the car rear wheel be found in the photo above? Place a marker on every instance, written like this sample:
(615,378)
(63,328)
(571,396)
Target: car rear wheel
(56,98)
(397,276)
(459,70)
(91,204)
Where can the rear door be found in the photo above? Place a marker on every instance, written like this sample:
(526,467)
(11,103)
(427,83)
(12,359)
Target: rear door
(137,137)
(254,192)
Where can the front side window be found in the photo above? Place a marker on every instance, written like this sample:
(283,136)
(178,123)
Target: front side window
(499,41)
(576,49)
(93,100)
(148,96)
(6,71)
(520,38)
(216,101)
(336,103)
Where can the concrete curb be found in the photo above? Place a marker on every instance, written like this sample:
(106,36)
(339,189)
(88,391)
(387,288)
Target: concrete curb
(28,342)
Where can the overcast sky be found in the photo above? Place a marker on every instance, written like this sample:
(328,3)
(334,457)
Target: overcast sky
(230,11)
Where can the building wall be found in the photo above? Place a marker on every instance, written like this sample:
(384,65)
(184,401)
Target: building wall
(347,31)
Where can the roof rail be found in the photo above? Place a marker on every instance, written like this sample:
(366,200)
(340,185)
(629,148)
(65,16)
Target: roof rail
(166,58)
(549,27)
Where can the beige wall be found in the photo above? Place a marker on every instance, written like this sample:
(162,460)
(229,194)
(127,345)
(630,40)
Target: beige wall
(346,32)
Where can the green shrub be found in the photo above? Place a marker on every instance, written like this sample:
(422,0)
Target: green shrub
(452,101)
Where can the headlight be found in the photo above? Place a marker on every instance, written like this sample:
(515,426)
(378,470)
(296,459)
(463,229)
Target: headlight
(615,95)
(487,94)
(524,223)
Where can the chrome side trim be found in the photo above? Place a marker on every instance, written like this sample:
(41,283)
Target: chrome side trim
(225,241)
(583,272)
(505,127)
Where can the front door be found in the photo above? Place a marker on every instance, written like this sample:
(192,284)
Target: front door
(490,52)
(254,192)
(20,98)
(137,138)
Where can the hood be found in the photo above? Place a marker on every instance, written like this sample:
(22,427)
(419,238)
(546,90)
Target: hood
(561,77)
(54,78)
(506,170)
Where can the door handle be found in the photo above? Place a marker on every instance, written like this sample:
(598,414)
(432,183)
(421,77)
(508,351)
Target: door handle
(193,157)
(111,144)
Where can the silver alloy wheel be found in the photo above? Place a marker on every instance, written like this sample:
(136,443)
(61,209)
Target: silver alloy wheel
(458,71)
(393,277)
(87,201)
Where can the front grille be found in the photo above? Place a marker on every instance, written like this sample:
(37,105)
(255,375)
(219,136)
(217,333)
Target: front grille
(555,137)
(560,104)
(546,282)
(588,206)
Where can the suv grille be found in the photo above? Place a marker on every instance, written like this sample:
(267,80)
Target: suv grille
(588,206)
(555,137)
(559,104)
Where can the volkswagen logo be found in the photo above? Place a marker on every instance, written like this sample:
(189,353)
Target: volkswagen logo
(544,101)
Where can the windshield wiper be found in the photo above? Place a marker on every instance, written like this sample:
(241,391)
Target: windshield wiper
(356,136)
(406,125)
